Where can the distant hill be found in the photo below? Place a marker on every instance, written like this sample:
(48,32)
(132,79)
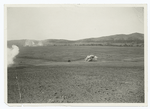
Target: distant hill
(134,39)
(116,38)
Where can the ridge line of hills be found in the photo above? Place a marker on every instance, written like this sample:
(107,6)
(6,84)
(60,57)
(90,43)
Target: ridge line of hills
(134,39)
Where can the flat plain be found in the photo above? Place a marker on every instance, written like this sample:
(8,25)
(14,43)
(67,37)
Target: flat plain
(44,75)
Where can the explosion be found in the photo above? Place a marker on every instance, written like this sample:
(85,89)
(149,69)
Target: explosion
(11,54)
(91,58)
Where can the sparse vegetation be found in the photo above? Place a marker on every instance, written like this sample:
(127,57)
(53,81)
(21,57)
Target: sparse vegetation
(45,76)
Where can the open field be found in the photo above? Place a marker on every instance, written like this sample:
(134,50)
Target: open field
(44,75)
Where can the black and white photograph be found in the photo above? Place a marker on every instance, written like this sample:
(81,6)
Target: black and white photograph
(75,53)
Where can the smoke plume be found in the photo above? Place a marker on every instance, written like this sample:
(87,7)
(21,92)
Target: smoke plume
(11,54)
(90,58)
(31,43)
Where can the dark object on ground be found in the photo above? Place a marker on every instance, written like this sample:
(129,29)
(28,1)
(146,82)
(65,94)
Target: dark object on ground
(69,60)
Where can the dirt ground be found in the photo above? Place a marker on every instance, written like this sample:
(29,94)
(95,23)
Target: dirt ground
(77,82)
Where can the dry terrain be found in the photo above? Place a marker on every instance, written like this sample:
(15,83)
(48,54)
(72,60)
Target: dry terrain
(44,75)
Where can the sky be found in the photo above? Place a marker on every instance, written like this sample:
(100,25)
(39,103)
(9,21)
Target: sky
(72,22)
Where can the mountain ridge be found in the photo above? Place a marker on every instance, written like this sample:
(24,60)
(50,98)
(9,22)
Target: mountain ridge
(117,39)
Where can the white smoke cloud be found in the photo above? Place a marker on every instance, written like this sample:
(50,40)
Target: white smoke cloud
(11,54)
(31,43)
(91,58)
(40,44)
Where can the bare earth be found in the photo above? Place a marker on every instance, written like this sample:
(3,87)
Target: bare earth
(41,81)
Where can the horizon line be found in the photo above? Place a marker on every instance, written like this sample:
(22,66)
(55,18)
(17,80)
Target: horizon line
(76,39)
